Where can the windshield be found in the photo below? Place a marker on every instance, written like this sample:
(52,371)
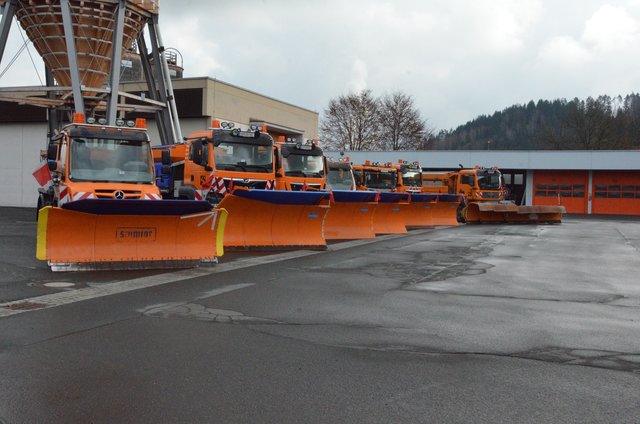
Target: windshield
(108,160)
(303,166)
(380,180)
(340,179)
(243,157)
(489,181)
(412,178)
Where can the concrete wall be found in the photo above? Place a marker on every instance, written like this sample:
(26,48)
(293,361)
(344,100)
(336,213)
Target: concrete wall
(21,145)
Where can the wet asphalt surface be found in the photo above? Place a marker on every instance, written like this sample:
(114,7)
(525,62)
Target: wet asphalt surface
(483,323)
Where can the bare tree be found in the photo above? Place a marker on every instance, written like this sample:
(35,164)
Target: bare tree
(402,128)
(350,122)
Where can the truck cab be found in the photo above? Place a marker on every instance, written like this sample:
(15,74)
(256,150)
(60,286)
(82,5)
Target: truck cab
(212,162)
(300,166)
(479,184)
(376,176)
(93,161)
(340,175)
(410,176)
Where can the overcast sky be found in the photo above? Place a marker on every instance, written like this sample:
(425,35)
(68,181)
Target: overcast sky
(457,58)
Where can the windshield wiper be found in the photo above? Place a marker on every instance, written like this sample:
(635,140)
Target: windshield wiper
(224,166)
(296,173)
(265,167)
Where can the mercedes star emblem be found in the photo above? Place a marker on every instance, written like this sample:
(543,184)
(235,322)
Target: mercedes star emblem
(119,195)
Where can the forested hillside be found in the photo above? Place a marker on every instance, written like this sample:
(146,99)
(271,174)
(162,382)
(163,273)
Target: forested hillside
(601,123)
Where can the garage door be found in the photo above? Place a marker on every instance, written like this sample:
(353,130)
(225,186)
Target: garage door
(616,192)
(567,187)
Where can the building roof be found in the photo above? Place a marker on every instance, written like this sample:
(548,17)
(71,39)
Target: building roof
(520,159)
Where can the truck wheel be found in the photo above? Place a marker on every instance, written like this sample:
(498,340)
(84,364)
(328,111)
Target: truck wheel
(461,213)
(43,200)
(40,206)
(187,192)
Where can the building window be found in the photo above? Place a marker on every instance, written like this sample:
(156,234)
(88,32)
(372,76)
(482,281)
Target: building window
(563,190)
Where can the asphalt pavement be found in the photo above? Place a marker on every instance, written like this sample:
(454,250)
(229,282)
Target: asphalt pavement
(479,324)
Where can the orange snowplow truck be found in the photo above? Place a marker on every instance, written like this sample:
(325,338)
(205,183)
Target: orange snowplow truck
(98,206)
(426,207)
(484,197)
(390,214)
(376,176)
(300,166)
(235,170)
(340,175)
(211,163)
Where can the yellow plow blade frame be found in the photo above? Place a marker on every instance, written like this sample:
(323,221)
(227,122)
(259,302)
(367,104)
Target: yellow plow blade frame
(255,223)
(128,241)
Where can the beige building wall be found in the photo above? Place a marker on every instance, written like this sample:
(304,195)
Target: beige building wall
(228,102)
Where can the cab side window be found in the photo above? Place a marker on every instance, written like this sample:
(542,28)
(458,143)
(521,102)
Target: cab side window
(467,179)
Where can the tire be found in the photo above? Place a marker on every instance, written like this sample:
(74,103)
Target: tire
(187,193)
(40,206)
(461,213)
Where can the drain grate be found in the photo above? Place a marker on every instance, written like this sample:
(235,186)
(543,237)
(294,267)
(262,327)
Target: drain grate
(25,306)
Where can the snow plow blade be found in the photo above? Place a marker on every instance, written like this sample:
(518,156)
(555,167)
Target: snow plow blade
(350,216)
(389,216)
(93,234)
(419,211)
(268,219)
(429,210)
(510,212)
(445,209)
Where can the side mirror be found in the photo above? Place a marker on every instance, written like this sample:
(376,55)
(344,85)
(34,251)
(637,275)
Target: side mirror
(52,151)
(166,157)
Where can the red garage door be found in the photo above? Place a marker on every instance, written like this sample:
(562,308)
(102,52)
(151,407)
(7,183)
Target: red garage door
(567,187)
(616,192)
